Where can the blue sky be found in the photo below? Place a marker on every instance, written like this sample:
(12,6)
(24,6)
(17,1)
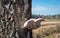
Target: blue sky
(46,7)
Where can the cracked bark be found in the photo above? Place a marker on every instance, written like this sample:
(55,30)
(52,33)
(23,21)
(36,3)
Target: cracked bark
(22,12)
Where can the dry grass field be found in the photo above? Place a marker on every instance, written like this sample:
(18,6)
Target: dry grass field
(48,29)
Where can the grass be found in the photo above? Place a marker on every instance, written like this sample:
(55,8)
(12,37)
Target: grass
(49,30)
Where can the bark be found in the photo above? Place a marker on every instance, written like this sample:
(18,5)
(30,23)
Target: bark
(11,23)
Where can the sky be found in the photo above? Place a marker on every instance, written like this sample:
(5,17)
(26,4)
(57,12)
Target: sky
(45,7)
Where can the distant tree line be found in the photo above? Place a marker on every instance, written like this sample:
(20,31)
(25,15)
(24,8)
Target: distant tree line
(57,16)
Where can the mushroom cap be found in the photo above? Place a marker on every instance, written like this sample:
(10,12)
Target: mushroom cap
(32,23)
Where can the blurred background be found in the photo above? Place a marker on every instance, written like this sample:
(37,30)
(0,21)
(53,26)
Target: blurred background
(50,11)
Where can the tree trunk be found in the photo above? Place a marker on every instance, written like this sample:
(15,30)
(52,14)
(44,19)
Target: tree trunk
(22,12)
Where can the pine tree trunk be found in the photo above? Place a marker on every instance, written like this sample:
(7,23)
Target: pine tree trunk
(22,12)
